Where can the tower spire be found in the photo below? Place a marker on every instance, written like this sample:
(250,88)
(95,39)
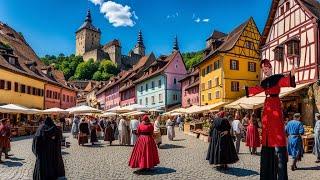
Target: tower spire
(140,39)
(88,17)
(175,44)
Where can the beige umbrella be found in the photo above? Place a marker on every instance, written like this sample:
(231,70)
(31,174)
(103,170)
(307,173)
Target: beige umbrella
(54,111)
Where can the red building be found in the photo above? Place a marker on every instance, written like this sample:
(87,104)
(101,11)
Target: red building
(190,89)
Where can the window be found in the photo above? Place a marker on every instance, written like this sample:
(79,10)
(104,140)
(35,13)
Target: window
(282,10)
(234,86)
(34,91)
(140,101)
(251,66)
(217,94)
(47,93)
(175,97)
(146,101)
(208,69)
(287,6)
(174,81)
(8,85)
(216,81)
(176,66)
(141,89)
(159,83)
(160,98)
(278,53)
(249,45)
(64,97)
(209,96)
(203,86)
(216,65)
(28,90)
(152,85)
(16,87)
(146,87)
(67,98)
(203,72)
(202,97)
(2,84)
(23,88)
(39,92)
(209,84)
(152,100)
(234,64)
(293,48)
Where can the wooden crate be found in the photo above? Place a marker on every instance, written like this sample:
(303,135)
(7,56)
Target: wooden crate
(307,143)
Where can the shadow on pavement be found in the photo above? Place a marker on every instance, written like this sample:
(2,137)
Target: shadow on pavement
(154,171)
(309,168)
(15,159)
(239,172)
(179,139)
(64,153)
(170,146)
(21,138)
(94,146)
(12,164)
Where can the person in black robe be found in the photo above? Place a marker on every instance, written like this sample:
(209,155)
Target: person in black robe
(221,149)
(46,146)
(93,135)
(109,132)
(84,132)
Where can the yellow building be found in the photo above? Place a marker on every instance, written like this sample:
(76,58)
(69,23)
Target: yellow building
(231,62)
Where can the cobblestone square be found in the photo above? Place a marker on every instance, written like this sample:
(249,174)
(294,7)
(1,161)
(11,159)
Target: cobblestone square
(183,158)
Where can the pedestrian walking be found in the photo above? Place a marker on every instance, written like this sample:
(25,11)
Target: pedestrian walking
(46,147)
(124,135)
(5,135)
(84,132)
(157,131)
(145,153)
(109,132)
(221,149)
(237,129)
(274,151)
(170,128)
(316,148)
(75,127)
(94,131)
(134,123)
(294,130)
(252,137)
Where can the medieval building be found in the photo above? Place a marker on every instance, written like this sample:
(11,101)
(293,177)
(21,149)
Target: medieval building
(88,46)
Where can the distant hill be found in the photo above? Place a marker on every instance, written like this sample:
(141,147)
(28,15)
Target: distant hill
(192,58)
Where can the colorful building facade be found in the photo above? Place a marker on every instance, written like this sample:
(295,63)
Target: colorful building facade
(230,62)
(190,89)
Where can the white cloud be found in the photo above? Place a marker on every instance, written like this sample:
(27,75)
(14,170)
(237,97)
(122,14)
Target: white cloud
(96,2)
(117,14)
(205,20)
(197,20)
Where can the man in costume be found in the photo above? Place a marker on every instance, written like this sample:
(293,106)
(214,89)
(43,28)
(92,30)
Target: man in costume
(134,123)
(274,152)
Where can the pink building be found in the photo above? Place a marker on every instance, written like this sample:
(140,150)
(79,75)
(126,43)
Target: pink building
(190,89)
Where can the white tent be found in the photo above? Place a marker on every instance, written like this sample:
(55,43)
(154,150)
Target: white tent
(257,101)
(133,113)
(83,109)
(54,110)
(155,110)
(193,109)
(16,109)
(118,109)
(135,107)
(108,114)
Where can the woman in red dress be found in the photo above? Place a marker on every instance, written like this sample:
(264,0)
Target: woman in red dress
(252,138)
(274,152)
(145,152)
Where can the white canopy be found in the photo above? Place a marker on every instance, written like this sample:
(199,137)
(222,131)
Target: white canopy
(135,107)
(193,109)
(155,110)
(83,109)
(54,110)
(108,114)
(179,110)
(133,113)
(17,109)
(118,109)
(257,101)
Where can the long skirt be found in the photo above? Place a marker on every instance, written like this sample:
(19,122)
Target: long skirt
(109,134)
(252,138)
(4,144)
(316,147)
(82,138)
(145,153)
(124,137)
(157,137)
(295,148)
(93,137)
(170,132)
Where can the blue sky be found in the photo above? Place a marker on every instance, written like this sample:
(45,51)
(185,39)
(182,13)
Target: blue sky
(49,26)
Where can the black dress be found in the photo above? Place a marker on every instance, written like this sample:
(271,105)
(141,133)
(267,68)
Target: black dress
(47,148)
(221,148)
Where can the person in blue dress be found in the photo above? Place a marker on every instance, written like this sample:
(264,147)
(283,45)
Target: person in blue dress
(294,130)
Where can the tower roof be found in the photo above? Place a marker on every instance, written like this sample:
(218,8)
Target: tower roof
(175,44)
(87,24)
(140,40)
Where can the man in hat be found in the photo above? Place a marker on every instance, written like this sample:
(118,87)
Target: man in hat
(294,130)
(5,134)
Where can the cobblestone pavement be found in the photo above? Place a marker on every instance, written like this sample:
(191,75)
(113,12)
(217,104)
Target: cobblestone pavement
(183,158)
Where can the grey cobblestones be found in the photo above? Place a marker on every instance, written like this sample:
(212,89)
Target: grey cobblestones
(180,159)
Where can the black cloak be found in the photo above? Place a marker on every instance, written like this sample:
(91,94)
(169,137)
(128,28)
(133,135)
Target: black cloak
(221,148)
(46,146)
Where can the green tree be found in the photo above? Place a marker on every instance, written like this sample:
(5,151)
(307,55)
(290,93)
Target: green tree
(107,66)
(101,76)
(85,70)
(192,58)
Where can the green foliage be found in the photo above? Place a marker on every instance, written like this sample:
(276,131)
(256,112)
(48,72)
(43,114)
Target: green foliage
(85,70)
(192,58)
(109,67)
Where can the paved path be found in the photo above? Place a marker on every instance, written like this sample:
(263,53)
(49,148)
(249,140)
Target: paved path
(180,159)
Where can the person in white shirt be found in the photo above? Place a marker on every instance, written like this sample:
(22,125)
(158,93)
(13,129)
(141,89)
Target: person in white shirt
(134,123)
(236,129)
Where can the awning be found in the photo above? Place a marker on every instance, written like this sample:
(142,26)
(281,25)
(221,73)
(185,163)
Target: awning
(214,106)
(257,101)
(17,109)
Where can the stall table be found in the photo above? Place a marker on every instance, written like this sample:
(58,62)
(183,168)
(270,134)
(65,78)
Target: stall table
(163,130)
(308,142)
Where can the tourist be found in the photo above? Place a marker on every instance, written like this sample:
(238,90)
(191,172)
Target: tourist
(124,135)
(316,130)
(294,130)
(75,127)
(180,122)
(46,147)
(236,129)
(157,131)
(109,132)
(134,123)
(221,149)
(252,137)
(94,131)
(170,128)
(273,152)
(145,153)
(5,134)
(62,121)
(84,132)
